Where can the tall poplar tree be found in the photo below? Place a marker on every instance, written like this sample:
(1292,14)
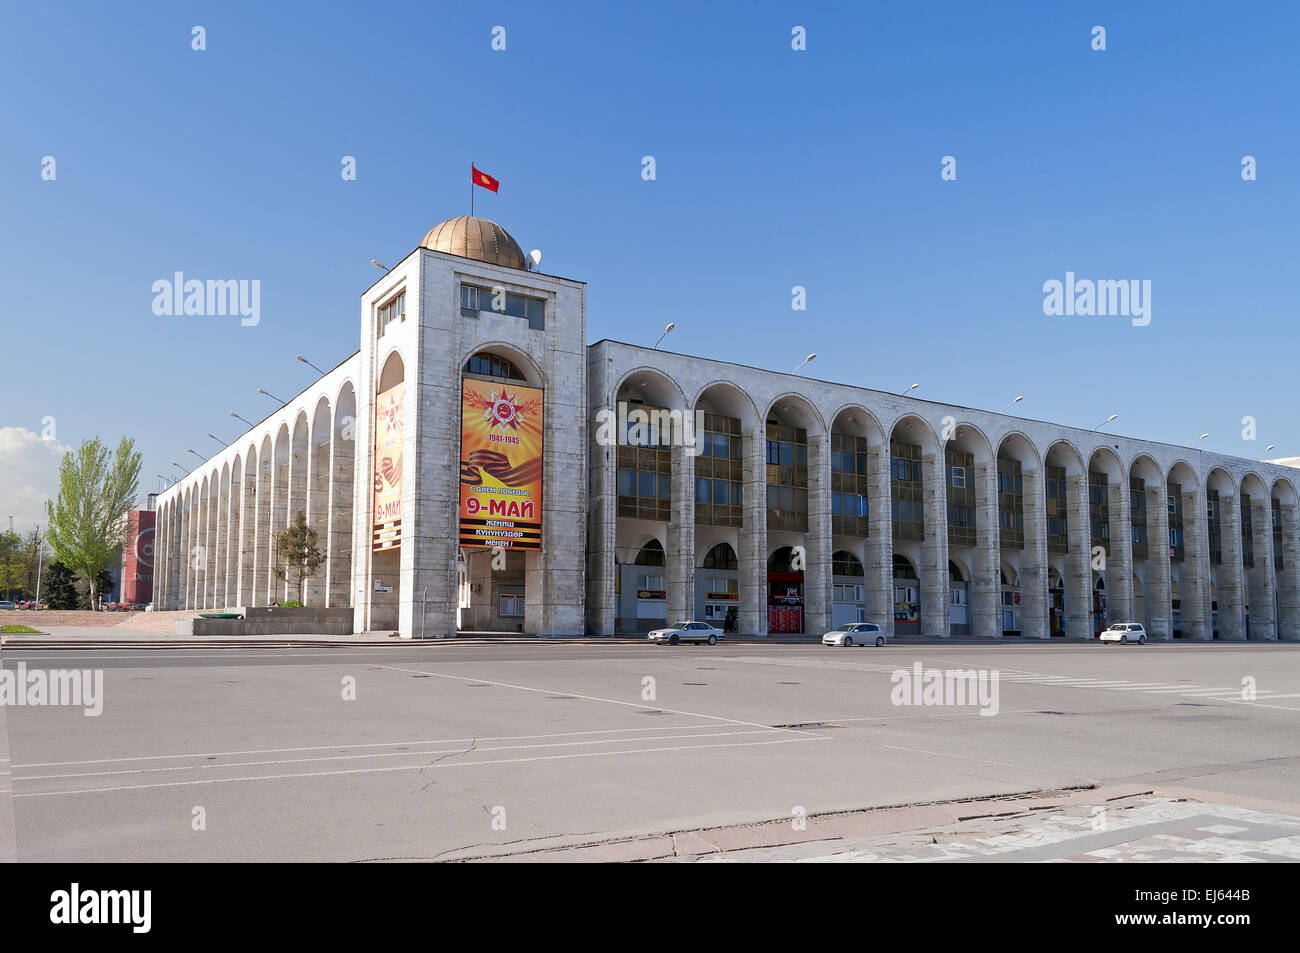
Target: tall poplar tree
(88,520)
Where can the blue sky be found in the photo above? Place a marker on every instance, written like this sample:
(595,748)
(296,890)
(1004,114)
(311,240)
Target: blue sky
(775,168)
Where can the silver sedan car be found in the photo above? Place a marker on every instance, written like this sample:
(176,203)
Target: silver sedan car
(697,632)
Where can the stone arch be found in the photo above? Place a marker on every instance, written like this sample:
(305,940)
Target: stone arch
(392,370)
(533,375)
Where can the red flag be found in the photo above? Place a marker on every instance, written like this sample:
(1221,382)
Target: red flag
(485,180)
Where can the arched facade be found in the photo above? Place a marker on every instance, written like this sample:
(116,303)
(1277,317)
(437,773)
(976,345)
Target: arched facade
(927,518)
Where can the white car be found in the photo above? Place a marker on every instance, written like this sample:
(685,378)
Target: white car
(697,632)
(855,633)
(1124,633)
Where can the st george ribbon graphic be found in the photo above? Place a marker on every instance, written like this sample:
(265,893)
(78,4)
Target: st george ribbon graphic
(501,465)
(498,465)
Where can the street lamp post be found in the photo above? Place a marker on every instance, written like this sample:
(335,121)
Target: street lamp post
(810,357)
(1016,401)
(237,417)
(1106,421)
(303,360)
(270,395)
(671,325)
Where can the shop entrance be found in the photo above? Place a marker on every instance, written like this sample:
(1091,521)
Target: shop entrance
(784,593)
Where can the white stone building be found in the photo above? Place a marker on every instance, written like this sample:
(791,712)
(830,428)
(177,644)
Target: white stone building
(765,501)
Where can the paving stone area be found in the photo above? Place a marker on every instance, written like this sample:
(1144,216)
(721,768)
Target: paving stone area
(1142,829)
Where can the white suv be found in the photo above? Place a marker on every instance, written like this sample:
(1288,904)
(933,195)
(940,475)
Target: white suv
(1124,633)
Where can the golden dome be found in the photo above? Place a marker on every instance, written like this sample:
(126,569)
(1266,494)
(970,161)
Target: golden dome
(476,238)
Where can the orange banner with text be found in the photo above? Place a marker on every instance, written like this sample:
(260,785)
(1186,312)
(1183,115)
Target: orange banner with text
(500,465)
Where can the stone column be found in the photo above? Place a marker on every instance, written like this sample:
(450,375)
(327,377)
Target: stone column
(1159,608)
(681,536)
(338,566)
(1194,588)
(298,476)
(275,510)
(1263,577)
(318,486)
(933,570)
(1119,554)
(1078,561)
(1288,580)
(753,536)
(1231,594)
(601,498)
(878,584)
(986,560)
(1034,598)
(183,552)
(818,542)
(210,548)
(197,552)
(160,534)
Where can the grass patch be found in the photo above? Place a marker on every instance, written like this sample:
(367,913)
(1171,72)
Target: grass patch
(19,630)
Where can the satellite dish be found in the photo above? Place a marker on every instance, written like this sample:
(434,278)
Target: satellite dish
(535,256)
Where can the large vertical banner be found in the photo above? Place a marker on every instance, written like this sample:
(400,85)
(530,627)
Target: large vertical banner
(137,557)
(388,469)
(500,465)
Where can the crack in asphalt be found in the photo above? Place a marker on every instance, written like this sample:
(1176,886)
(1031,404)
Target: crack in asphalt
(473,744)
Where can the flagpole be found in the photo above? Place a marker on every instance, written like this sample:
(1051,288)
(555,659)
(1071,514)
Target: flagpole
(471,188)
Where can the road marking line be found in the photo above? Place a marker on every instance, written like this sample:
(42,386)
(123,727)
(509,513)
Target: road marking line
(212,766)
(448,764)
(594,698)
(375,744)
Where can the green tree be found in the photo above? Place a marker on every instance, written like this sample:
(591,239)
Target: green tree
(59,590)
(297,547)
(12,575)
(88,521)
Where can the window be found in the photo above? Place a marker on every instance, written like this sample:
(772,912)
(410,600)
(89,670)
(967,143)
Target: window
(489,365)
(475,298)
(850,485)
(650,587)
(721,556)
(719,473)
(787,477)
(1057,528)
(1174,493)
(394,309)
(906,491)
(961,497)
(844,563)
(512,604)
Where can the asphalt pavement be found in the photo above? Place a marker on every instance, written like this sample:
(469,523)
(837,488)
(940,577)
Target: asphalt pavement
(448,751)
